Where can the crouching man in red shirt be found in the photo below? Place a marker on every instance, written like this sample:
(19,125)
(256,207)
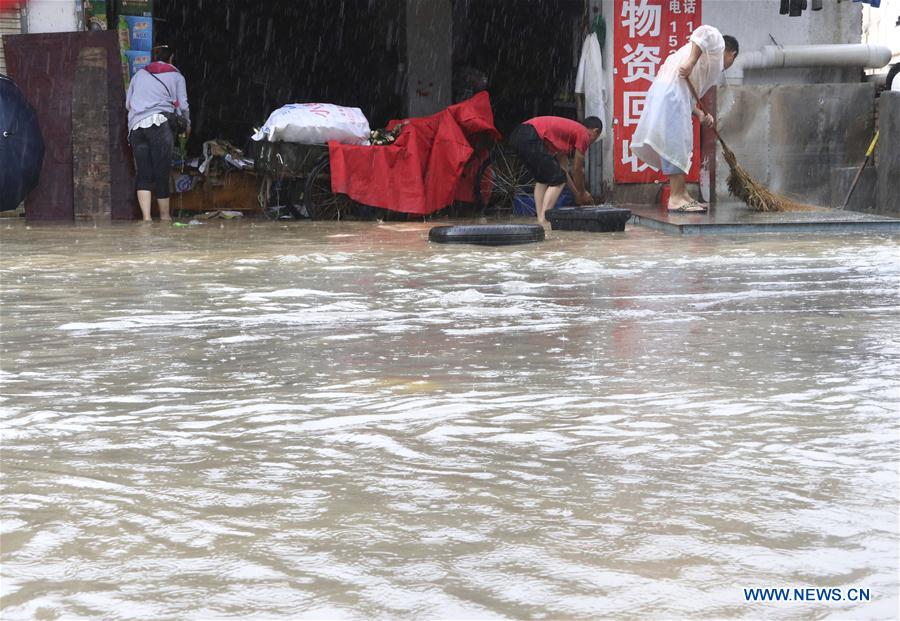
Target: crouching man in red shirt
(545,144)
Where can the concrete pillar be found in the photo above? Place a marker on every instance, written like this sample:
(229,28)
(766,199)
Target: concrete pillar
(429,49)
(605,162)
(887,191)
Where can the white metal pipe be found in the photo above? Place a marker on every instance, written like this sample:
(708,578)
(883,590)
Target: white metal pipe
(835,55)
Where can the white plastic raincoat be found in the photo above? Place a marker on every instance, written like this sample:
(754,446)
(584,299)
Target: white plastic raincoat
(666,127)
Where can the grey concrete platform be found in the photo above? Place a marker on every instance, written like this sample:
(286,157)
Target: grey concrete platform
(736,218)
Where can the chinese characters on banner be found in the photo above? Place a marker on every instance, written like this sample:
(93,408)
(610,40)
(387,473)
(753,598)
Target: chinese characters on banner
(646,32)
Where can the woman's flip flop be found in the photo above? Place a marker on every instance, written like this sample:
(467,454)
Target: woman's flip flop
(692,207)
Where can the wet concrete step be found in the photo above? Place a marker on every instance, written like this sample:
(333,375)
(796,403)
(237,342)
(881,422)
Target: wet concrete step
(736,218)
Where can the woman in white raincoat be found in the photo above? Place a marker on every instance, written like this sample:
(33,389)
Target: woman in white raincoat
(664,137)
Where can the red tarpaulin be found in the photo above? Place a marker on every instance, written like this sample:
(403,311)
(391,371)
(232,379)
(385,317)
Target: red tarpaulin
(431,164)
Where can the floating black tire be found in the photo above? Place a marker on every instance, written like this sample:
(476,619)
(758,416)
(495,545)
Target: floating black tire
(487,234)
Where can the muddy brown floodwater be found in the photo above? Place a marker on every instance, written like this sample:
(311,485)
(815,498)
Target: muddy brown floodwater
(289,421)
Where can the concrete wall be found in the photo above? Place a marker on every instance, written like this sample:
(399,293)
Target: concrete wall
(752,23)
(805,141)
(429,54)
(887,192)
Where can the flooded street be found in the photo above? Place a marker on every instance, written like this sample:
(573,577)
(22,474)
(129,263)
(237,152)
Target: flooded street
(343,421)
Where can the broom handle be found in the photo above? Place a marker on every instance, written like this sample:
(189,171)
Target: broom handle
(859,172)
(703,110)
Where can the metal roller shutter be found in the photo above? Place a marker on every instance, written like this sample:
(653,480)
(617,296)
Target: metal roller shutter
(10,23)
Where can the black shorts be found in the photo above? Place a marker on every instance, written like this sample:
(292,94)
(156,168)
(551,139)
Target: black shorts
(152,148)
(542,164)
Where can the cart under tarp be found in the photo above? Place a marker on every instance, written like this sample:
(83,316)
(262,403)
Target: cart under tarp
(432,163)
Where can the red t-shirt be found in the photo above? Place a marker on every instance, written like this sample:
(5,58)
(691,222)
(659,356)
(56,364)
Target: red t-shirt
(561,135)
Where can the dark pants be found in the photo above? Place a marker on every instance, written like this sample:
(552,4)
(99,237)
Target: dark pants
(153,148)
(542,164)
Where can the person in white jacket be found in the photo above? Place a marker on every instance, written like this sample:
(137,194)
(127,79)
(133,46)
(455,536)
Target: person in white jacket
(664,138)
(156,89)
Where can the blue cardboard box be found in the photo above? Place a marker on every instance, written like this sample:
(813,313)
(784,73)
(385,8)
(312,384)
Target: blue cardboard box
(136,61)
(140,32)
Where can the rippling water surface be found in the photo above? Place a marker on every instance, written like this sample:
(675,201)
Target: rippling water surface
(344,421)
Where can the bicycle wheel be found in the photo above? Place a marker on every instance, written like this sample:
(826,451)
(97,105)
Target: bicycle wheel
(321,202)
(282,199)
(499,179)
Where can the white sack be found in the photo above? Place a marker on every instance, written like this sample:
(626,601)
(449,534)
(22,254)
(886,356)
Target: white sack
(315,123)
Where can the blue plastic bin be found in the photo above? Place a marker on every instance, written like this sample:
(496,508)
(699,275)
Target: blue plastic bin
(523,204)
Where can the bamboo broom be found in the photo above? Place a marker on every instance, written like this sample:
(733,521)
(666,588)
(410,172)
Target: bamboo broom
(741,184)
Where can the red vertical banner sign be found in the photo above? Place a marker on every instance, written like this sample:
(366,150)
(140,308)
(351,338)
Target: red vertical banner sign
(646,33)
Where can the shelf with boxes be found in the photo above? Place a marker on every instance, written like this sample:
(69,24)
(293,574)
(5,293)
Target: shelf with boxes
(135,26)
